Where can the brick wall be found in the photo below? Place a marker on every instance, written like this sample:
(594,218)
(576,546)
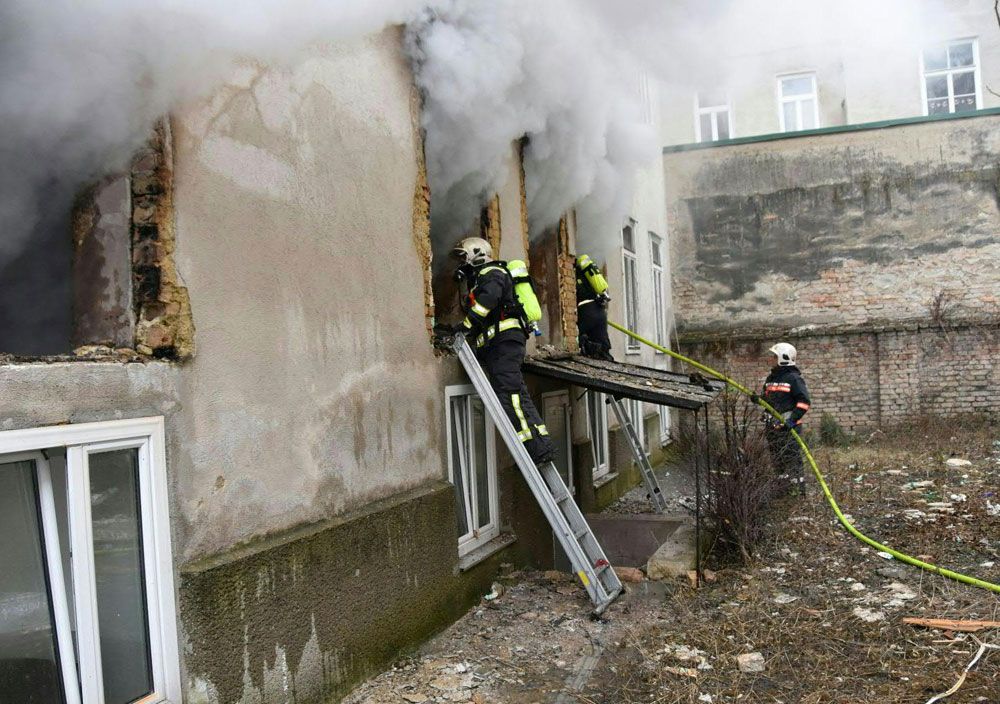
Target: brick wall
(878,378)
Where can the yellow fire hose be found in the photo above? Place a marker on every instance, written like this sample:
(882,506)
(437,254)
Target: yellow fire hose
(902,557)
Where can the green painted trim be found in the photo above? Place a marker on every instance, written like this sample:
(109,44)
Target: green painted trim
(860,127)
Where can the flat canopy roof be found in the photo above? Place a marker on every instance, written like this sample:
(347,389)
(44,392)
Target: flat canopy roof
(657,386)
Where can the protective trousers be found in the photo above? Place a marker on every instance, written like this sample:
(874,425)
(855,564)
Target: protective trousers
(592,323)
(501,360)
(786,455)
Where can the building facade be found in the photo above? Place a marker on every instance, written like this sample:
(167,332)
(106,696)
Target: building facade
(851,212)
(239,471)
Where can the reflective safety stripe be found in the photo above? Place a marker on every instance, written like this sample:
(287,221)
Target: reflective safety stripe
(480,310)
(802,405)
(542,430)
(489,269)
(780,388)
(525,434)
(508,324)
(467,323)
(519,271)
(583,303)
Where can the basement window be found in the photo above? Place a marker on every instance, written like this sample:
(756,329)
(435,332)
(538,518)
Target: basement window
(87,612)
(472,468)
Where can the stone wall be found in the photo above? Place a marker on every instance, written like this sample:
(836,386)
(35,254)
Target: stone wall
(876,252)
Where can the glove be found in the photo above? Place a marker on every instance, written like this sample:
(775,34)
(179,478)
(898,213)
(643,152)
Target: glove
(446,330)
(791,425)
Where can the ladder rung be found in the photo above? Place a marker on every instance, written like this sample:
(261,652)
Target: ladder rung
(583,532)
(561,498)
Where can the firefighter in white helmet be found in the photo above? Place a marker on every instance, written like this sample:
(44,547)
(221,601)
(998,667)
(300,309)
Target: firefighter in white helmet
(497,326)
(786,391)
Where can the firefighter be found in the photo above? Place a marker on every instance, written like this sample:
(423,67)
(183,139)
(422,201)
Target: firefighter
(592,309)
(496,326)
(786,391)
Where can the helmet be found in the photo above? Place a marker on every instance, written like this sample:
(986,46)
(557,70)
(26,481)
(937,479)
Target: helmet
(473,250)
(785,354)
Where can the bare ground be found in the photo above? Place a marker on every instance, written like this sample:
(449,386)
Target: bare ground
(824,611)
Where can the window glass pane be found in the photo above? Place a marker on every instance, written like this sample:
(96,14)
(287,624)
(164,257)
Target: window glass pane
(960,55)
(791,121)
(655,248)
(29,667)
(935,59)
(484,517)
(964,83)
(628,238)
(631,302)
(457,458)
(800,85)
(937,87)
(119,575)
(722,122)
(808,114)
(965,103)
(937,106)
(705,125)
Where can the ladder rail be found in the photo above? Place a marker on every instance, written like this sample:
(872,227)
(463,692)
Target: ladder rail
(645,469)
(549,491)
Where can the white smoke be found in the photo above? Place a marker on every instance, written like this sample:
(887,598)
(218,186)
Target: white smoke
(81,83)
(555,72)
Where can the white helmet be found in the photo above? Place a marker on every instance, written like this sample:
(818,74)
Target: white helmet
(473,250)
(785,354)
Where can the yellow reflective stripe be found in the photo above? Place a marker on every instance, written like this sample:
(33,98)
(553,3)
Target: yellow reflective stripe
(489,269)
(525,430)
(480,310)
(467,323)
(508,324)
(542,430)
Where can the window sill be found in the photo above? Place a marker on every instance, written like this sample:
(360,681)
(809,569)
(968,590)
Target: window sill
(471,559)
(605,479)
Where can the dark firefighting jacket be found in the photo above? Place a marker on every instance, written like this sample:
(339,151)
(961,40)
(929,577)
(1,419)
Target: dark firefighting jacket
(492,311)
(785,389)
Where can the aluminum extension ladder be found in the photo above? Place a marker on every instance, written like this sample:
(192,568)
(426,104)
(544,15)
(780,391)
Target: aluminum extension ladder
(575,536)
(652,484)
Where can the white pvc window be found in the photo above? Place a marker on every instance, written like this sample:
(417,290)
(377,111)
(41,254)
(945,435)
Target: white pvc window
(713,118)
(633,407)
(87,613)
(664,425)
(950,80)
(798,102)
(558,421)
(597,422)
(630,273)
(472,468)
(659,307)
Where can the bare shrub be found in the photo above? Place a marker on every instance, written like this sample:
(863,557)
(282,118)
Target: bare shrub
(741,481)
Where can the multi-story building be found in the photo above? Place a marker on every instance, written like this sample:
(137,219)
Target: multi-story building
(834,184)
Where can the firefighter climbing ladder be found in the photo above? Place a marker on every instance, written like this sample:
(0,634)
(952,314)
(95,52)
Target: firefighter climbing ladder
(652,485)
(571,528)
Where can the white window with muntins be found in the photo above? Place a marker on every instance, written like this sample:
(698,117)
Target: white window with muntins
(630,275)
(798,102)
(87,612)
(713,117)
(472,468)
(597,423)
(950,79)
(659,307)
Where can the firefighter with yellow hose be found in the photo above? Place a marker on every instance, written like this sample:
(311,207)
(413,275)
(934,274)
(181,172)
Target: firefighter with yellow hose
(592,309)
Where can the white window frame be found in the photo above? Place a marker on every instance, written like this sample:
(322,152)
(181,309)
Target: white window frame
(79,442)
(949,72)
(714,111)
(476,537)
(656,277)
(633,407)
(664,425)
(563,402)
(597,400)
(630,263)
(798,100)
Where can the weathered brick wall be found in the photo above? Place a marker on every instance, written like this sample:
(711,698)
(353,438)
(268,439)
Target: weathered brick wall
(872,379)
(875,251)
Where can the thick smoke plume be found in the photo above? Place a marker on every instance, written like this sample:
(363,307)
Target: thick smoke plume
(555,72)
(81,83)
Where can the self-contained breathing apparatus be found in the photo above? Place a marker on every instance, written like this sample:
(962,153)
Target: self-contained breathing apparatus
(526,307)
